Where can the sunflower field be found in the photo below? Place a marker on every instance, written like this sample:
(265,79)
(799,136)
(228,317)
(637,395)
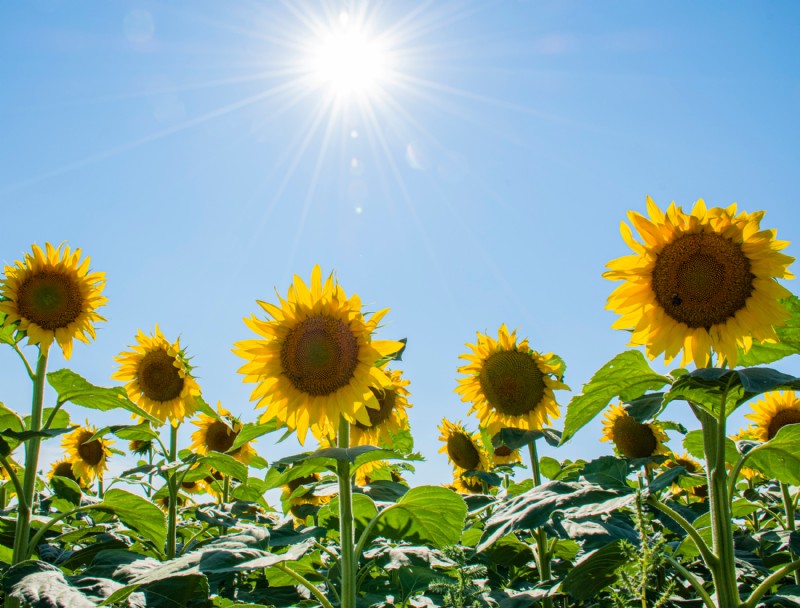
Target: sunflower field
(667,518)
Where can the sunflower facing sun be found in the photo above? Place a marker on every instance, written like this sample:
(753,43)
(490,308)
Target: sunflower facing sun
(699,282)
(315,361)
(774,412)
(508,384)
(158,378)
(631,438)
(218,435)
(53,296)
(88,458)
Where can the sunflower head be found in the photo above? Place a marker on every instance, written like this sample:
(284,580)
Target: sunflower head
(87,456)
(140,447)
(693,467)
(158,377)
(464,450)
(389,418)
(218,435)
(699,282)
(631,438)
(508,384)
(53,296)
(315,360)
(774,412)
(467,484)
(503,454)
(299,494)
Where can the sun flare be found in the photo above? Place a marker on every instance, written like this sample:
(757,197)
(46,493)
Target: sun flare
(348,60)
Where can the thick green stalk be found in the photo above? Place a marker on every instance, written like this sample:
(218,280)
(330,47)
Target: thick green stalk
(346,524)
(788,507)
(306,583)
(724,571)
(25,500)
(542,552)
(172,487)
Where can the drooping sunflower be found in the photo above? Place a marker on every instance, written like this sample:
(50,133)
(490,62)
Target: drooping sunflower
(88,458)
(503,454)
(294,498)
(315,361)
(53,296)
(217,435)
(63,468)
(699,282)
(467,484)
(692,466)
(158,377)
(464,450)
(140,447)
(508,384)
(749,434)
(390,417)
(631,438)
(774,412)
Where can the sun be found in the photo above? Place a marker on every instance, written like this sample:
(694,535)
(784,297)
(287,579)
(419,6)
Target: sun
(347,60)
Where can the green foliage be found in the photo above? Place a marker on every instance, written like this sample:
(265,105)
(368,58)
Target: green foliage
(459,590)
(779,458)
(425,514)
(788,342)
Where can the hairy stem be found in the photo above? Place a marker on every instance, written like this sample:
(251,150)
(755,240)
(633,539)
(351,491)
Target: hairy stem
(346,523)
(542,553)
(172,487)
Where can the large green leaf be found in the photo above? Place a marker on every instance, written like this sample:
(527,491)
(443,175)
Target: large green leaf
(224,463)
(779,458)
(251,431)
(707,387)
(595,572)
(535,508)
(75,389)
(137,513)
(788,339)
(428,515)
(515,439)
(693,443)
(364,510)
(626,376)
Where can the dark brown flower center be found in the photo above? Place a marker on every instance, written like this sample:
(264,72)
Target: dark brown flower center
(219,437)
(386,400)
(472,484)
(512,382)
(158,377)
(50,299)
(502,451)
(781,419)
(632,438)
(702,279)
(92,452)
(690,466)
(301,481)
(462,451)
(320,355)
(64,469)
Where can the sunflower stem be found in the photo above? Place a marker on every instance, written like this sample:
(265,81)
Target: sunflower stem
(25,499)
(346,522)
(172,487)
(307,584)
(788,506)
(12,475)
(542,553)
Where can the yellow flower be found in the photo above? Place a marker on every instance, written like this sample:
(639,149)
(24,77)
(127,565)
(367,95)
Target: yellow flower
(508,384)
(53,296)
(467,485)
(773,413)
(632,438)
(692,466)
(390,417)
(140,447)
(463,450)
(305,496)
(216,435)
(88,458)
(158,378)
(502,454)
(63,468)
(699,282)
(196,486)
(315,361)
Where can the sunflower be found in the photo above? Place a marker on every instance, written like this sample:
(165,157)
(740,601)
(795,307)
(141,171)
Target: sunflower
(88,458)
(692,467)
(508,384)
(503,454)
(140,447)
(699,282)
(464,451)
(158,378)
(53,296)
(296,494)
(216,435)
(631,438)
(773,413)
(315,361)
(467,484)
(390,417)
(196,486)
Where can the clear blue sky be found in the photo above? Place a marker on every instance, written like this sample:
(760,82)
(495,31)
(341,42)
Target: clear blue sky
(174,143)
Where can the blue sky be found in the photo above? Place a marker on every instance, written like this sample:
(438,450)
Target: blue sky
(177,146)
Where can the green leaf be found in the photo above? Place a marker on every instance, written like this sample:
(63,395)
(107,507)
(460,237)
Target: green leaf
(509,551)
(788,339)
(41,585)
(138,514)
(779,458)
(132,432)
(607,472)
(67,489)
(627,376)
(251,431)
(364,510)
(595,572)
(75,389)
(225,464)
(428,515)
(519,438)
(646,407)
(693,443)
